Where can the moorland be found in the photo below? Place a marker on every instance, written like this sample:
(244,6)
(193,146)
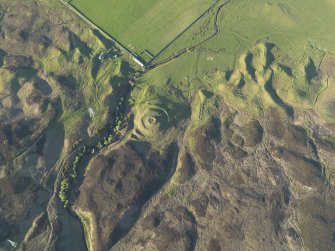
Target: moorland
(225,140)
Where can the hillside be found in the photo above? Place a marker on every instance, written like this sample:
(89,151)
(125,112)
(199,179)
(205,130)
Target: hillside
(225,140)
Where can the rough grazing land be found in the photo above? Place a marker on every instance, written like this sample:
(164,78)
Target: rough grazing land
(225,142)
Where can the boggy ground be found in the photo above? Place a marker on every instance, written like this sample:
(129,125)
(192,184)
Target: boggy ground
(117,186)
(49,78)
(210,157)
(263,188)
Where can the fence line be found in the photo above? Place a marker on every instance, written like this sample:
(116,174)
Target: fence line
(134,56)
(180,34)
(94,26)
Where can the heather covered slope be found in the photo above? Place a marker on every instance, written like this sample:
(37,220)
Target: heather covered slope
(226,141)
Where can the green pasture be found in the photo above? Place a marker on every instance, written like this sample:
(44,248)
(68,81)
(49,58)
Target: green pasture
(144,27)
(300,34)
(292,25)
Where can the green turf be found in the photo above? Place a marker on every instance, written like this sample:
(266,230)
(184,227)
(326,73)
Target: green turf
(299,32)
(143,25)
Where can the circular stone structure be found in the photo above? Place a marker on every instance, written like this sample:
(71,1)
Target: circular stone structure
(152,120)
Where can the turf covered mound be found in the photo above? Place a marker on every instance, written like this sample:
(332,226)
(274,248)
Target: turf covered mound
(226,141)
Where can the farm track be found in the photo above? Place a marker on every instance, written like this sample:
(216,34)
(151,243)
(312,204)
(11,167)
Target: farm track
(51,208)
(94,26)
(320,92)
(180,34)
(58,169)
(185,50)
(132,55)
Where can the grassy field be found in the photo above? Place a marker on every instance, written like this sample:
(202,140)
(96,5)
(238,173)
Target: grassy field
(300,39)
(143,26)
(246,92)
